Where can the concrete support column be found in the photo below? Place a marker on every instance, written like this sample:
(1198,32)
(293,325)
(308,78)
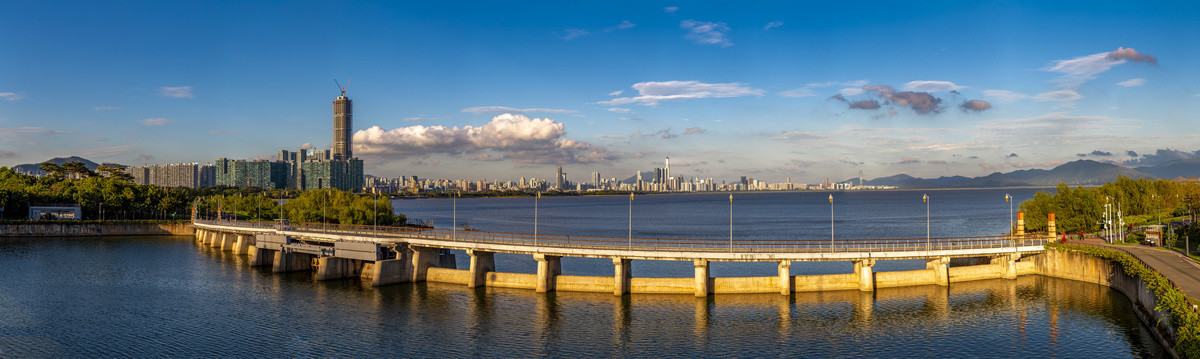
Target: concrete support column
(548,269)
(1050,227)
(285,261)
(260,256)
(1008,265)
(940,268)
(385,272)
(702,277)
(199,235)
(785,277)
(328,268)
(208,238)
(242,246)
(229,241)
(422,260)
(863,269)
(481,264)
(621,275)
(216,241)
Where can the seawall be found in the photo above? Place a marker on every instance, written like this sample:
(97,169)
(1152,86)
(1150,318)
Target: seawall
(1083,267)
(69,229)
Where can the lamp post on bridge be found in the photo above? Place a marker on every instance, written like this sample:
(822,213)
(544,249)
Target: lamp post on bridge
(925,198)
(1008,198)
(535,219)
(454,217)
(831,222)
(731,223)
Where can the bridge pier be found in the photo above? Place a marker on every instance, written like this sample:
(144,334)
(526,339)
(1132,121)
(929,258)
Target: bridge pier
(243,244)
(290,261)
(548,269)
(209,236)
(866,277)
(481,264)
(703,280)
(422,259)
(229,241)
(1007,264)
(197,235)
(216,240)
(785,277)
(328,268)
(941,271)
(621,275)
(385,272)
(260,256)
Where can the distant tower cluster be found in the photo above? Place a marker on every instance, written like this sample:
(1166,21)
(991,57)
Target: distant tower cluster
(343,123)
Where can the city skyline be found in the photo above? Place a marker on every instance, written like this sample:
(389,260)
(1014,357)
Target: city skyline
(770,90)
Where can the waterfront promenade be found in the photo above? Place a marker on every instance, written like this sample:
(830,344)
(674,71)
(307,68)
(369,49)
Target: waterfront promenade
(1180,270)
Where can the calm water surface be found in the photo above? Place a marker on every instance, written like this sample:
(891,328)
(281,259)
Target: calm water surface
(166,296)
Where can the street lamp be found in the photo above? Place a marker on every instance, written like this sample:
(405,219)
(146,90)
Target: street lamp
(454,216)
(1008,198)
(535,219)
(925,198)
(630,220)
(731,223)
(831,222)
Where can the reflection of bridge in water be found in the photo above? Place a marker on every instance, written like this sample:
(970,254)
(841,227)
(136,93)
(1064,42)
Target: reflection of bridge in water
(388,255)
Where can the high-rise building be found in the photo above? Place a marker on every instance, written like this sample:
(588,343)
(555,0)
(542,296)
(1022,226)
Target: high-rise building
(343,124)
(667,174)
(241,173)
(560,180)
(595,179)
(344,175)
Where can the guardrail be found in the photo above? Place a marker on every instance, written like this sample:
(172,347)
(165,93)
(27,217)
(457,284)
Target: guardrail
(652,244)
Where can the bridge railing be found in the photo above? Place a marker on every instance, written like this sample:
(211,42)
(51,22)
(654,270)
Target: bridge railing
(751,245)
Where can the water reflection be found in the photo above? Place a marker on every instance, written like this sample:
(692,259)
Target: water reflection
(170,298)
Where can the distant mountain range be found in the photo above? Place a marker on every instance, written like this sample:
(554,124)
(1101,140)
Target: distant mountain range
(1077,173)
(33,169)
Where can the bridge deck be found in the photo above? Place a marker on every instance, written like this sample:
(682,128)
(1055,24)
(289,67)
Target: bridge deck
(651,248)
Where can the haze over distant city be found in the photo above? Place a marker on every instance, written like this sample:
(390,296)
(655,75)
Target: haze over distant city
(500,91)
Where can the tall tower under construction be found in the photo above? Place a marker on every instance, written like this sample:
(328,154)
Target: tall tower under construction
(343,124)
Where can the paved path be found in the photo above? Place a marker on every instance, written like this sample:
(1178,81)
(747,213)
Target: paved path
(1184,272)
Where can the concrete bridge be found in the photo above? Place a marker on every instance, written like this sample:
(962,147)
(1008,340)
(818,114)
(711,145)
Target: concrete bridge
(390,255)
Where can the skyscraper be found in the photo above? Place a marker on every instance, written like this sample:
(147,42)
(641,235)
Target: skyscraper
(343,123)
(667,174)
(560,180)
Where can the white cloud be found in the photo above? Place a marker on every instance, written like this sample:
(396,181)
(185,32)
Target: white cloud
(707,33)
(1132,82)
(107,108)
(1055,128)
(692,130)
(11,96)
(1082,69)
(626,24)
(772,25)
(1061,95)
(505,109)
(571,34)
(807,90)
(17,133)
(851,91)
(616,93)
(931,86)
(107,151)
(516,137)
(1004,96)
(156,121)
(651,93)
(670,9)
(618,110)
(176,91)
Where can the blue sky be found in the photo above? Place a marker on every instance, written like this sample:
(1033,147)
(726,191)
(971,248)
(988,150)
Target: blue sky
(501,91)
